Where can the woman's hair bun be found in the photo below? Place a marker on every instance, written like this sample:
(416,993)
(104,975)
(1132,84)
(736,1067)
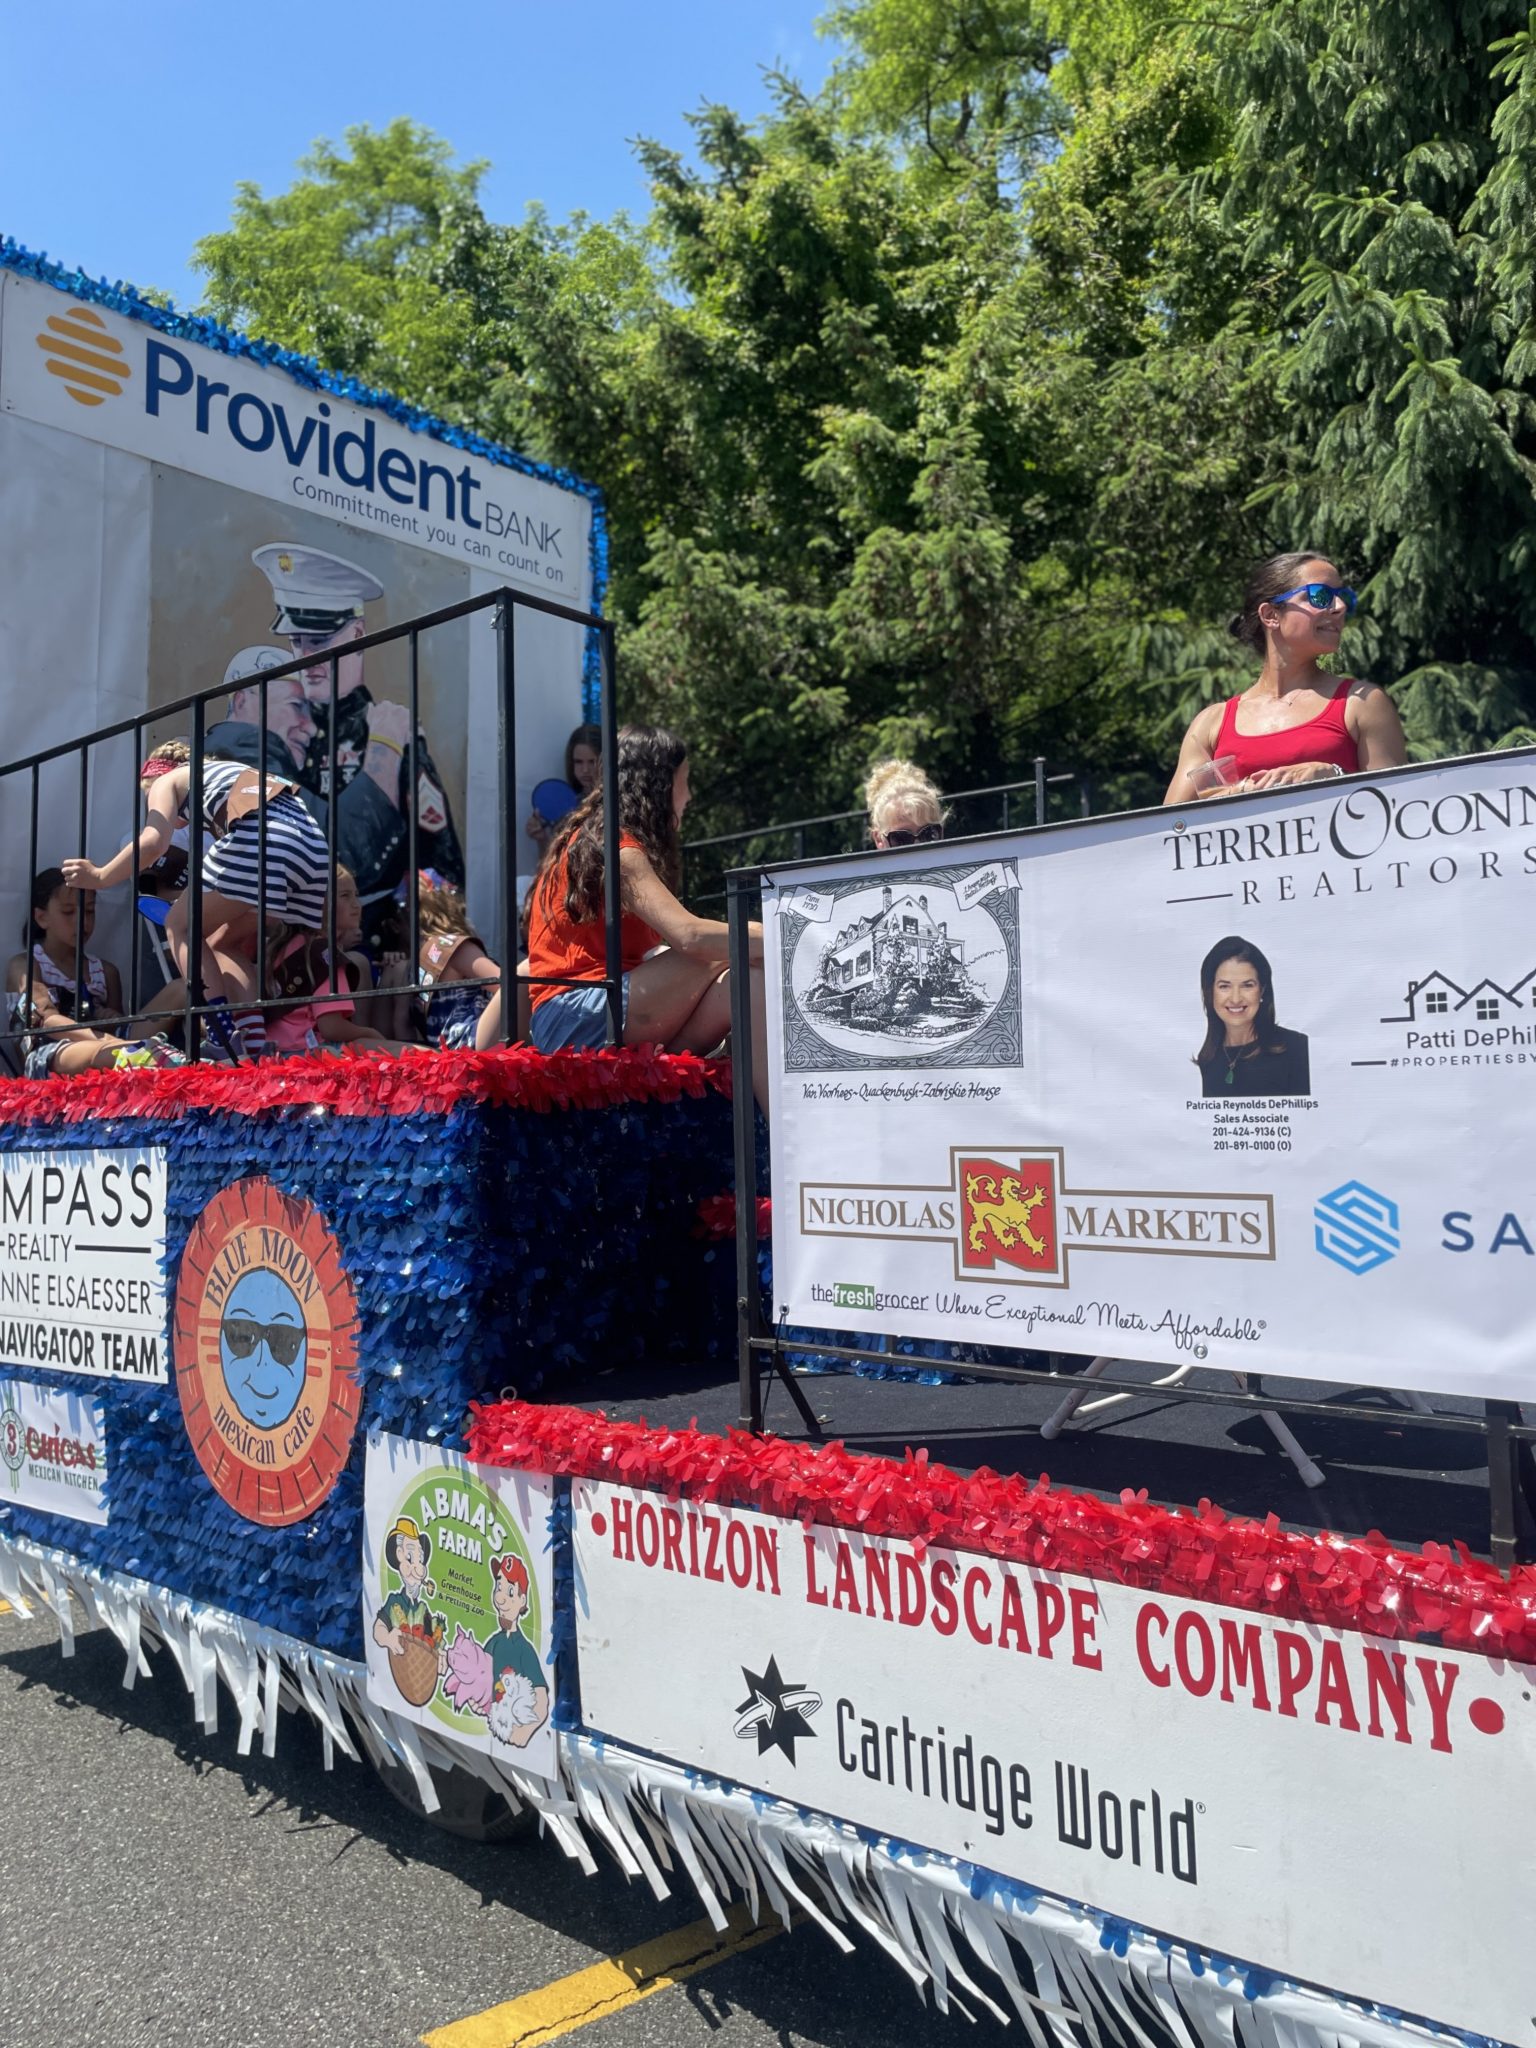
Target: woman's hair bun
(890,783)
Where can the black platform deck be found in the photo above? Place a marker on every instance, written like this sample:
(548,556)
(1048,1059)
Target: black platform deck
(1411,1480)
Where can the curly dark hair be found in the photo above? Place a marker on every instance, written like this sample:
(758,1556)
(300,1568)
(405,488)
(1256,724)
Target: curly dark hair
(649,758)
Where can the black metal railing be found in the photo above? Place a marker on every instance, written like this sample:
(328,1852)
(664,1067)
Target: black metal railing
(995,806)
(198,1013)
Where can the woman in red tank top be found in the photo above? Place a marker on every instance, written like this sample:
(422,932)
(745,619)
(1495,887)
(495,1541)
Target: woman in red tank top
(1296,723)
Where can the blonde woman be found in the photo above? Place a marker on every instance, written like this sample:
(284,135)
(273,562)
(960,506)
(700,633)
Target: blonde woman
(904,807)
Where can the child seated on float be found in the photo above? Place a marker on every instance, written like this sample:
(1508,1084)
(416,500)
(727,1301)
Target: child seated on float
(300,966)
(51,1012)
(455,974)
(457,1006)
(166,877)
(291,852)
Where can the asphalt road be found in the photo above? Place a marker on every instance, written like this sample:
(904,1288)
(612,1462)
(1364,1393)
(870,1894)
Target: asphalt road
(158,1891)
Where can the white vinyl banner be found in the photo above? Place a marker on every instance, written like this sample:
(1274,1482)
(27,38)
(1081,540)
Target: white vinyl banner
(82,1240)
(1338,1808)
(53,1451)
(458,1599)
(1250,1083)
(92,372)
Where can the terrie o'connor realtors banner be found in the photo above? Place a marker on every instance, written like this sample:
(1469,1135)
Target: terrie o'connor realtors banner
(1004,1110)
(1340,1809)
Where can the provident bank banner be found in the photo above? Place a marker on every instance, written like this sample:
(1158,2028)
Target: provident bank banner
(1250,1083)
(117,381)
(174,517)
(1341,1809)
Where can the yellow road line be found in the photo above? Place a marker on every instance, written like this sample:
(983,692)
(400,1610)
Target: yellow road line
(5,1607)
(605,1987)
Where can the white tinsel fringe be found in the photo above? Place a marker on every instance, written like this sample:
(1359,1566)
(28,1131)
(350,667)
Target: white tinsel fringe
(653,1816)
(264,1671)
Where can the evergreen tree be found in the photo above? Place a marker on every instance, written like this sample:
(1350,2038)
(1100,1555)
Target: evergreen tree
(1382,171)
(942,414)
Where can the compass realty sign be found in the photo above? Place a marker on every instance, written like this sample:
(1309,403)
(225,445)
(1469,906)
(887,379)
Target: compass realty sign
(1268,1789)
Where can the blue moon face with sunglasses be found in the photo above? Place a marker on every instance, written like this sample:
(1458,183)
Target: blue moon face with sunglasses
(262,1348)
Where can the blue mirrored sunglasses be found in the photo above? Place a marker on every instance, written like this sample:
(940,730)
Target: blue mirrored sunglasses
(1320,595)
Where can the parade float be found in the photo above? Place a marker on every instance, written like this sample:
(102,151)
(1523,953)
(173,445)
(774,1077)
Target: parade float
(285,1351)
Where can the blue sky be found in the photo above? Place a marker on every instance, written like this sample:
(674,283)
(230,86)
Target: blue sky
(125,133)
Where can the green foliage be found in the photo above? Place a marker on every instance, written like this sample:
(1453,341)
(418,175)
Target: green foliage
(344,264)
(1383,166)
(943,413)
(964,84)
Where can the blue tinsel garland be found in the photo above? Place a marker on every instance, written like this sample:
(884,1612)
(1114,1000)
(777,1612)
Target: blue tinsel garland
(487,1248)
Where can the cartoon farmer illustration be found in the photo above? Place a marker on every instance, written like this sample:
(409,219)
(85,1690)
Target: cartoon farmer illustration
(502,1677)
(405,1626)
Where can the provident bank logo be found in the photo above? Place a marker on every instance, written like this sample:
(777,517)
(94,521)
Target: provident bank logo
(89,361)
(1010,1216)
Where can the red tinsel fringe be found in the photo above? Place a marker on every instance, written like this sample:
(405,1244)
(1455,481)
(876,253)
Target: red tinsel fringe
(512,1077)
(717,1216)
(1198,1555)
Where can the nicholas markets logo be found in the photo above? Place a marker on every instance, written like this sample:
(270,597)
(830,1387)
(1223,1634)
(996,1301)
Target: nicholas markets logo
(266,1352)
(1010,1216)
(1357,1227)
(89,360)
(775,1713)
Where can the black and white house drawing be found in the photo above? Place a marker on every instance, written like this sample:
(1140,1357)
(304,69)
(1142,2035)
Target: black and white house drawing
(920,970)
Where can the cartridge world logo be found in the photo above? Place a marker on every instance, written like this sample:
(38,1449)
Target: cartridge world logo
(776,1712)
(1011,1217)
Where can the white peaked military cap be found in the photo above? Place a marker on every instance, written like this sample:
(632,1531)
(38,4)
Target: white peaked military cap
(315,592)
(250,662)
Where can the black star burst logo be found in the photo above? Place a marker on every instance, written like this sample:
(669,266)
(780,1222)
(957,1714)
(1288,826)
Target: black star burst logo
(776,1713)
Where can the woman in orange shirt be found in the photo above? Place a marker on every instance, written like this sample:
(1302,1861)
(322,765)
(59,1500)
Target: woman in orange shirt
(676,982)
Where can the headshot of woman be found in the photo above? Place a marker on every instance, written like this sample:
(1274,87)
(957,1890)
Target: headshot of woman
(1296,723)
(1245,1051)
(904,807)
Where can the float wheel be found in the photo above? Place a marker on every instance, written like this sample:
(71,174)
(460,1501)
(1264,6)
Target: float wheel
(468,1808)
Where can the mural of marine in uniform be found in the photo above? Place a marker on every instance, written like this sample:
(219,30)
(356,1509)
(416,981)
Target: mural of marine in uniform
(320,601)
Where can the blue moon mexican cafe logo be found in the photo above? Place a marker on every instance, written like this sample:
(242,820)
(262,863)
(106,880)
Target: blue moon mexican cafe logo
(266,1352)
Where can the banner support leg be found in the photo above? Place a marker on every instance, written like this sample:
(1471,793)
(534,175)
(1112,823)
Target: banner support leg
(1054,1424)
(1509,1515)
(749,1306)
(792,1387)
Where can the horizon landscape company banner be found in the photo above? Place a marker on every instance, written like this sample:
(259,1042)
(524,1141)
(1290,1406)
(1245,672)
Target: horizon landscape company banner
(1331,1806)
